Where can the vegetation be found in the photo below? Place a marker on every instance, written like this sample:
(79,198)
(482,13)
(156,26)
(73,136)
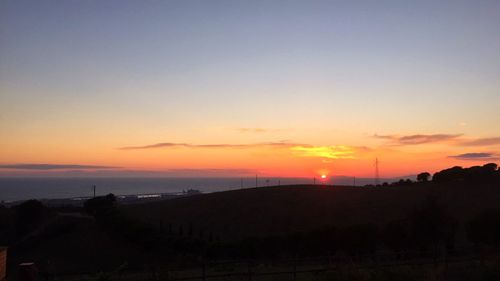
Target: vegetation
(431,218)
(487,173)
(423,177)
(484,229)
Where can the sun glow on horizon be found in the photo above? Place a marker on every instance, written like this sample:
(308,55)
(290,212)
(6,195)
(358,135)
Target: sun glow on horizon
(327,152)
(199,100)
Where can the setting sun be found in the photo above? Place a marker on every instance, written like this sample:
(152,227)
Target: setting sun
(163,137)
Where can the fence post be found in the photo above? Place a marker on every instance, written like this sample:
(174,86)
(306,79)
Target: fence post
(203,272)
(295,269)
(250,271)
(153,273)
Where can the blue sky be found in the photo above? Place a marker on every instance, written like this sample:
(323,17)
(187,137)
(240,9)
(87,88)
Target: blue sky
(322,72)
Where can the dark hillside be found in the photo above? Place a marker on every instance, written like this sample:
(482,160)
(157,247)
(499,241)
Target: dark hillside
(283,209)
(74,244)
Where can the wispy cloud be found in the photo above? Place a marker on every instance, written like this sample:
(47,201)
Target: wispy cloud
(482,142)
(326,152)
(476,156)
(257,130)
(418,139)
(43,167)
(297,149)
(207,172)
(192,173)
(219,145)
(454,139)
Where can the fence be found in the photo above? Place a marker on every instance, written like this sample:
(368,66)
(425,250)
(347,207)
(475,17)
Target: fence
(254,271)
(294,269)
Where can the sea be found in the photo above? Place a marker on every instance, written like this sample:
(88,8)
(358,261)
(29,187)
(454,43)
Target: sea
(15,189)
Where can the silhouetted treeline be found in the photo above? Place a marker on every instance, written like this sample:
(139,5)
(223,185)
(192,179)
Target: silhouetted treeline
(30,215)
(484,230)
(428,230)
(167,240)
(477,174)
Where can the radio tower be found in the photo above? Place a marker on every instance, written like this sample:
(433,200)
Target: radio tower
(377,176)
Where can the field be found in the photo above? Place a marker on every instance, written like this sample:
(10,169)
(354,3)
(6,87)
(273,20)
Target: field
(137,237)
(279,210)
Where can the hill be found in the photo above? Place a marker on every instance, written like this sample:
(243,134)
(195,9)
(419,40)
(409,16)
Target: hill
(264,211)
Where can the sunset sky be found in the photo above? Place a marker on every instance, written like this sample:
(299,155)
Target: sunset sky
(234,88)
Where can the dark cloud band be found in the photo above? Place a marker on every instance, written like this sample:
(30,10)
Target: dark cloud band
(188,145)
(418,139)
(53,167)
(476,156)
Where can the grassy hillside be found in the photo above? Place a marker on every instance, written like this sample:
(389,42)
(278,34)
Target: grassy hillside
(72,244)
(282,221)
(278,210)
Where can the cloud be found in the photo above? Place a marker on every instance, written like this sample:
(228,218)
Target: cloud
(223,145)
(481,142)
(455,139)
(418,139)
(258,130)
(476,156)
(205,172)
(299,150)
(127,173)
(45,167)
(196,172)
(326,152)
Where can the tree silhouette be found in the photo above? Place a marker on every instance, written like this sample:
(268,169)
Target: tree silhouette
(359,239)
(431,227)
(99,205)
(484,229)
(396,236)
(475,174)
(447,175)
(30,215)
(423,177)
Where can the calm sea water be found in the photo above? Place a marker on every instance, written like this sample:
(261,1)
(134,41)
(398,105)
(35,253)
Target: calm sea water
(13,189)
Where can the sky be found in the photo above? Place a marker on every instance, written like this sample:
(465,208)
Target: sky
(233,88)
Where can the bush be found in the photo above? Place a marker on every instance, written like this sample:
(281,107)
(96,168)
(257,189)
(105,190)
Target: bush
(396,235)
(359,239)
(30,215)
(432,227)
(484,228)
(99,205)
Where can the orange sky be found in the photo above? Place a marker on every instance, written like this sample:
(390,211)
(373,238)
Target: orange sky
(219,89)
(398,156)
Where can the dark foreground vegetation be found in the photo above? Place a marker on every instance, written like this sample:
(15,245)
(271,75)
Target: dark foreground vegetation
(453,215)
